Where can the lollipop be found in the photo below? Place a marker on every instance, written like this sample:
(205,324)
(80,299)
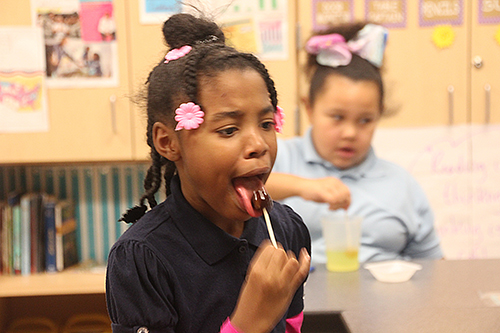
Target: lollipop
(262,201)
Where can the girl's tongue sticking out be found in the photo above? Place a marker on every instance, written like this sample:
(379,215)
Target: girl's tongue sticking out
(252,194)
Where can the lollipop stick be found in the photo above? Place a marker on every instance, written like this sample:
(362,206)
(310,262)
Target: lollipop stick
(269,227)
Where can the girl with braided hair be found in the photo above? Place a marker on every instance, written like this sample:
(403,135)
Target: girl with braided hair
(201,261)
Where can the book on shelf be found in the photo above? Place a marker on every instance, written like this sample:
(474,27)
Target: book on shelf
(50,234)
(6,239)
(26,233)
(37,234)
(15,203)
(2,205)
(66,244)
(32,233)
(37,237)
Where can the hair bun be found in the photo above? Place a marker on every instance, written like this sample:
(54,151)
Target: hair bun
(186,29)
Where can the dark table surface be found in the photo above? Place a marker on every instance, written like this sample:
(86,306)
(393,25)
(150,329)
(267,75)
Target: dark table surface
(445,296)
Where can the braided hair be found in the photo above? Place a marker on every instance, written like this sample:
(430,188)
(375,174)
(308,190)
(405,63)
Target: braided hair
(170,84)
(358,69)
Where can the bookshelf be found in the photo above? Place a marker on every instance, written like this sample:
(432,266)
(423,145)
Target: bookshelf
(68,282)
(57,296)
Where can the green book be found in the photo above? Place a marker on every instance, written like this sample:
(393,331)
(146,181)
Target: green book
(14,202)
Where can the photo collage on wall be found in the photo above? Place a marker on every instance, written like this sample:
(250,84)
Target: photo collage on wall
(80,42)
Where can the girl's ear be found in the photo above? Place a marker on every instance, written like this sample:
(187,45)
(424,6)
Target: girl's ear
(166,141)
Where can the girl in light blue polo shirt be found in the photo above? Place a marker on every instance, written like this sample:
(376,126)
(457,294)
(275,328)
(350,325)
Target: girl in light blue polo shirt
(333,165)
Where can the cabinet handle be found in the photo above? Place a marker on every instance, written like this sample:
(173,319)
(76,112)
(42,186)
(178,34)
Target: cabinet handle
(487,103)
(477,62)
(112,101)
(451,91)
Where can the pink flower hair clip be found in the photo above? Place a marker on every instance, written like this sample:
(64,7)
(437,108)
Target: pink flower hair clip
(175,54)
(189,116)
(279,119)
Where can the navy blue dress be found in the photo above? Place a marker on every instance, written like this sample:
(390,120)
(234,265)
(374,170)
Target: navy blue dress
(175,271)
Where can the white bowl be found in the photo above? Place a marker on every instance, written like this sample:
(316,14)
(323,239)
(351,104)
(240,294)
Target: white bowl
(392,271)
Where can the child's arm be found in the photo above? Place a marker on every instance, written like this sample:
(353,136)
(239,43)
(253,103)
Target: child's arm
(323,190)
(272,280)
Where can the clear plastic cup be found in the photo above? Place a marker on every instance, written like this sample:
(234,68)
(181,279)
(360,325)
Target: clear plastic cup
(342,235)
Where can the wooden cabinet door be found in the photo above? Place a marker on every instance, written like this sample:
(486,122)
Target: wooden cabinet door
(84,124)
(147,49)
(425,83)
(484,63)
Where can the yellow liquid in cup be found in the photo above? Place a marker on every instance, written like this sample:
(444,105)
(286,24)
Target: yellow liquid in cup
(342,261)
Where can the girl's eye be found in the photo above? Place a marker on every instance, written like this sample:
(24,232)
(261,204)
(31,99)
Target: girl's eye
(268,125)
(337,117)
(227,131)
(365,121)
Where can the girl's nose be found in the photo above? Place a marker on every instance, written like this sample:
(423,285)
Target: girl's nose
(349,130)
(256,145)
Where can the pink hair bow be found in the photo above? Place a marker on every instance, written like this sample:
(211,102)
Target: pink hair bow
(332,50)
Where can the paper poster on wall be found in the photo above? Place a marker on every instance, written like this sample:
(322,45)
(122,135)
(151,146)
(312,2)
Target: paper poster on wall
(266,19)
(274,38)
(440,12)
(157,11)
(80,42)
(327,12)
(459,169)
(488,11)
(389,13)
(23,106)
(242,35)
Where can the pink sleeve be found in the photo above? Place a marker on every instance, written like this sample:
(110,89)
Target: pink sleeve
(227,327)
(293,325)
